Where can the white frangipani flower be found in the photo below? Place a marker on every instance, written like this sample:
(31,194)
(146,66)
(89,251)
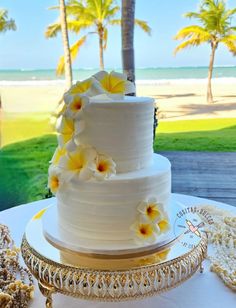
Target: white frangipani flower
(79,163)
(65,128)
(75,107)
(54,179)
(151,209)
(104,167)
(145,231)
(114,83)
(59,152)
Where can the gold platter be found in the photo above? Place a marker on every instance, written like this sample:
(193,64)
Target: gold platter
(105,278)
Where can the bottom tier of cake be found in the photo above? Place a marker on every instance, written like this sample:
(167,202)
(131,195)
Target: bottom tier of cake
(108,211)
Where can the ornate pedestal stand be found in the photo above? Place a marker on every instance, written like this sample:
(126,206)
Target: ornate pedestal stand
(110,278)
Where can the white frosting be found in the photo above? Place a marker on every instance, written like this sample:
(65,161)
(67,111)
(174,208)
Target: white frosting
(122,129)
(104,211)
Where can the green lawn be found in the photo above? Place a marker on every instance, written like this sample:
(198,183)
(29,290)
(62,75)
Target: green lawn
(214,135)
(16,127)
(23,168)
(23,165)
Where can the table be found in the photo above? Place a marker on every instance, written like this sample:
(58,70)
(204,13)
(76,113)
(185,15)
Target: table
(202,290)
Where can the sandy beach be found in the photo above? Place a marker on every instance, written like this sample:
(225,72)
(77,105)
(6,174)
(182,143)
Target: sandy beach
(176,101)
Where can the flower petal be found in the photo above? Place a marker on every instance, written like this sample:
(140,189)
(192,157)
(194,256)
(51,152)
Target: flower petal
(104,167)
(85,174)
(100,75)
(142,207)
(164,225)
(71,145)
(152,200)
(79,126)
(59,152)
(81,86)
(54,179)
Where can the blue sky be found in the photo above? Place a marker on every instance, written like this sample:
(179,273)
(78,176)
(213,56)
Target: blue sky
(27,48)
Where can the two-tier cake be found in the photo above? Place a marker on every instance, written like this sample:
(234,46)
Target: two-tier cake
(111,189)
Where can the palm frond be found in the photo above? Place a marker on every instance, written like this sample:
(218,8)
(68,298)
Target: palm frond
(52,30)
(5,23)
(55,7)
(77,25)
(143,25)
(189,43)
(77,10)
(193,31)
(74,50)
(72,25)
(230,37)
(231,12)
(115,22)
(109,13)
(230,42)
(191,15)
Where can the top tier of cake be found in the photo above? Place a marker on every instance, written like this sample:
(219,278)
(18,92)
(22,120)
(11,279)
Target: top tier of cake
(122,129)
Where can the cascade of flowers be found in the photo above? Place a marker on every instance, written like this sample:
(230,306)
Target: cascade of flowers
(71,158)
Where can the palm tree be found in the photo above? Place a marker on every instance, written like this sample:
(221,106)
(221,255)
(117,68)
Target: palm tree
(93,16)
(215,20)
(66,45)
(127,27)
(5,23)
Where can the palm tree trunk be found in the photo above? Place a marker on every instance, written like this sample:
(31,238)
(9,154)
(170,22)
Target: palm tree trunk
(210,70)
(127,26)
(66,45)
(101,59)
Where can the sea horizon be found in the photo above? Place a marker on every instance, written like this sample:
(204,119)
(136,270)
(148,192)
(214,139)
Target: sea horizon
(148,75)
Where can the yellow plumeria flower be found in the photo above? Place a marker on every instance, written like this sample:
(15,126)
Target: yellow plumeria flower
(65,128)
(79,162)
(76,106)
(68,132)
(88,87)
(59,152)
(163,225)
(114,83)
(104,167)
(151,209)
(81,86)
(60,109)
(54,181)
(145,231)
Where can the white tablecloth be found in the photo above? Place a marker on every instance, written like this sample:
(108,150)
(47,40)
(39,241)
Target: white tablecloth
(201,291)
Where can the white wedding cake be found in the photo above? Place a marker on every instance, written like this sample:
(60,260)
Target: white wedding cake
(111,189)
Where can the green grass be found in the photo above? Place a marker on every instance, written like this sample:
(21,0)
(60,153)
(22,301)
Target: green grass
(23,165)
(23,168)
(214,135)
(18,127)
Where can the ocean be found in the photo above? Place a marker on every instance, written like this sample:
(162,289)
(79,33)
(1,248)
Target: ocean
(143,75)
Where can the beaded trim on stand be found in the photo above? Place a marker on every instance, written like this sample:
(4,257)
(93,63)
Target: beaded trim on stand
(112,285)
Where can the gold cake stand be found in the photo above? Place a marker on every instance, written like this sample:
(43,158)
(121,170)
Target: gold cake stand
(120,277)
